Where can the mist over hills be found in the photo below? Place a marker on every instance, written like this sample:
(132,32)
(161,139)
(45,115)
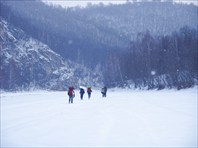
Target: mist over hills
(95,35)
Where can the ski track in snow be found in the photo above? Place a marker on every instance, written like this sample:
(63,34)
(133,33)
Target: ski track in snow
(130,118)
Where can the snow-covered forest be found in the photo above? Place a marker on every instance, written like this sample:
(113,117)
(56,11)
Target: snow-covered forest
(144,45)
(158,61)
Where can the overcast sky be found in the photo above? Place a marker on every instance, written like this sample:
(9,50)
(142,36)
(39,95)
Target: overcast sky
(83,3)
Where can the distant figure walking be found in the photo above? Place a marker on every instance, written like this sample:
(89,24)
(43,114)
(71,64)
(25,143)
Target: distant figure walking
(82,91)
(71,94)
(104,91)
(89,92)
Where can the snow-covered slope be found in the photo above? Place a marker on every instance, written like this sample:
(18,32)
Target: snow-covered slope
(26,62)
(126,118)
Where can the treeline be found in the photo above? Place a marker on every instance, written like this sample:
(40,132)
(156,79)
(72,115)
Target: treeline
(157,61)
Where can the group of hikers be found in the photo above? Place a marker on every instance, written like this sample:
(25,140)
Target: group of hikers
(71,93)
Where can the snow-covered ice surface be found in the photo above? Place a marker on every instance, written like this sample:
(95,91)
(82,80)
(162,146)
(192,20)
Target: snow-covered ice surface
(130,118)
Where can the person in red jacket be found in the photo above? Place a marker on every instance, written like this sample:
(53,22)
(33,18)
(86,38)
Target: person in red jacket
(89,92)
(71,94)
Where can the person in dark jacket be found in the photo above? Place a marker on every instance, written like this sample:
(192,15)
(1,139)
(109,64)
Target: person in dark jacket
(104,91)
(82,91)
(71,94)
(89,92)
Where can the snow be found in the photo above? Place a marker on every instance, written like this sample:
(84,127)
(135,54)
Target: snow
(153,72)
(126,117)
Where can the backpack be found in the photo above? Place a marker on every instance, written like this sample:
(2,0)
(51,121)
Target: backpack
(89,90)
(82,91)
(70,92)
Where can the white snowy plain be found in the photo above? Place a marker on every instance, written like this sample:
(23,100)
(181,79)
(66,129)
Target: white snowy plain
(126,118)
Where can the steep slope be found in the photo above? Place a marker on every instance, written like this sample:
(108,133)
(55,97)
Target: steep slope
(27,63)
